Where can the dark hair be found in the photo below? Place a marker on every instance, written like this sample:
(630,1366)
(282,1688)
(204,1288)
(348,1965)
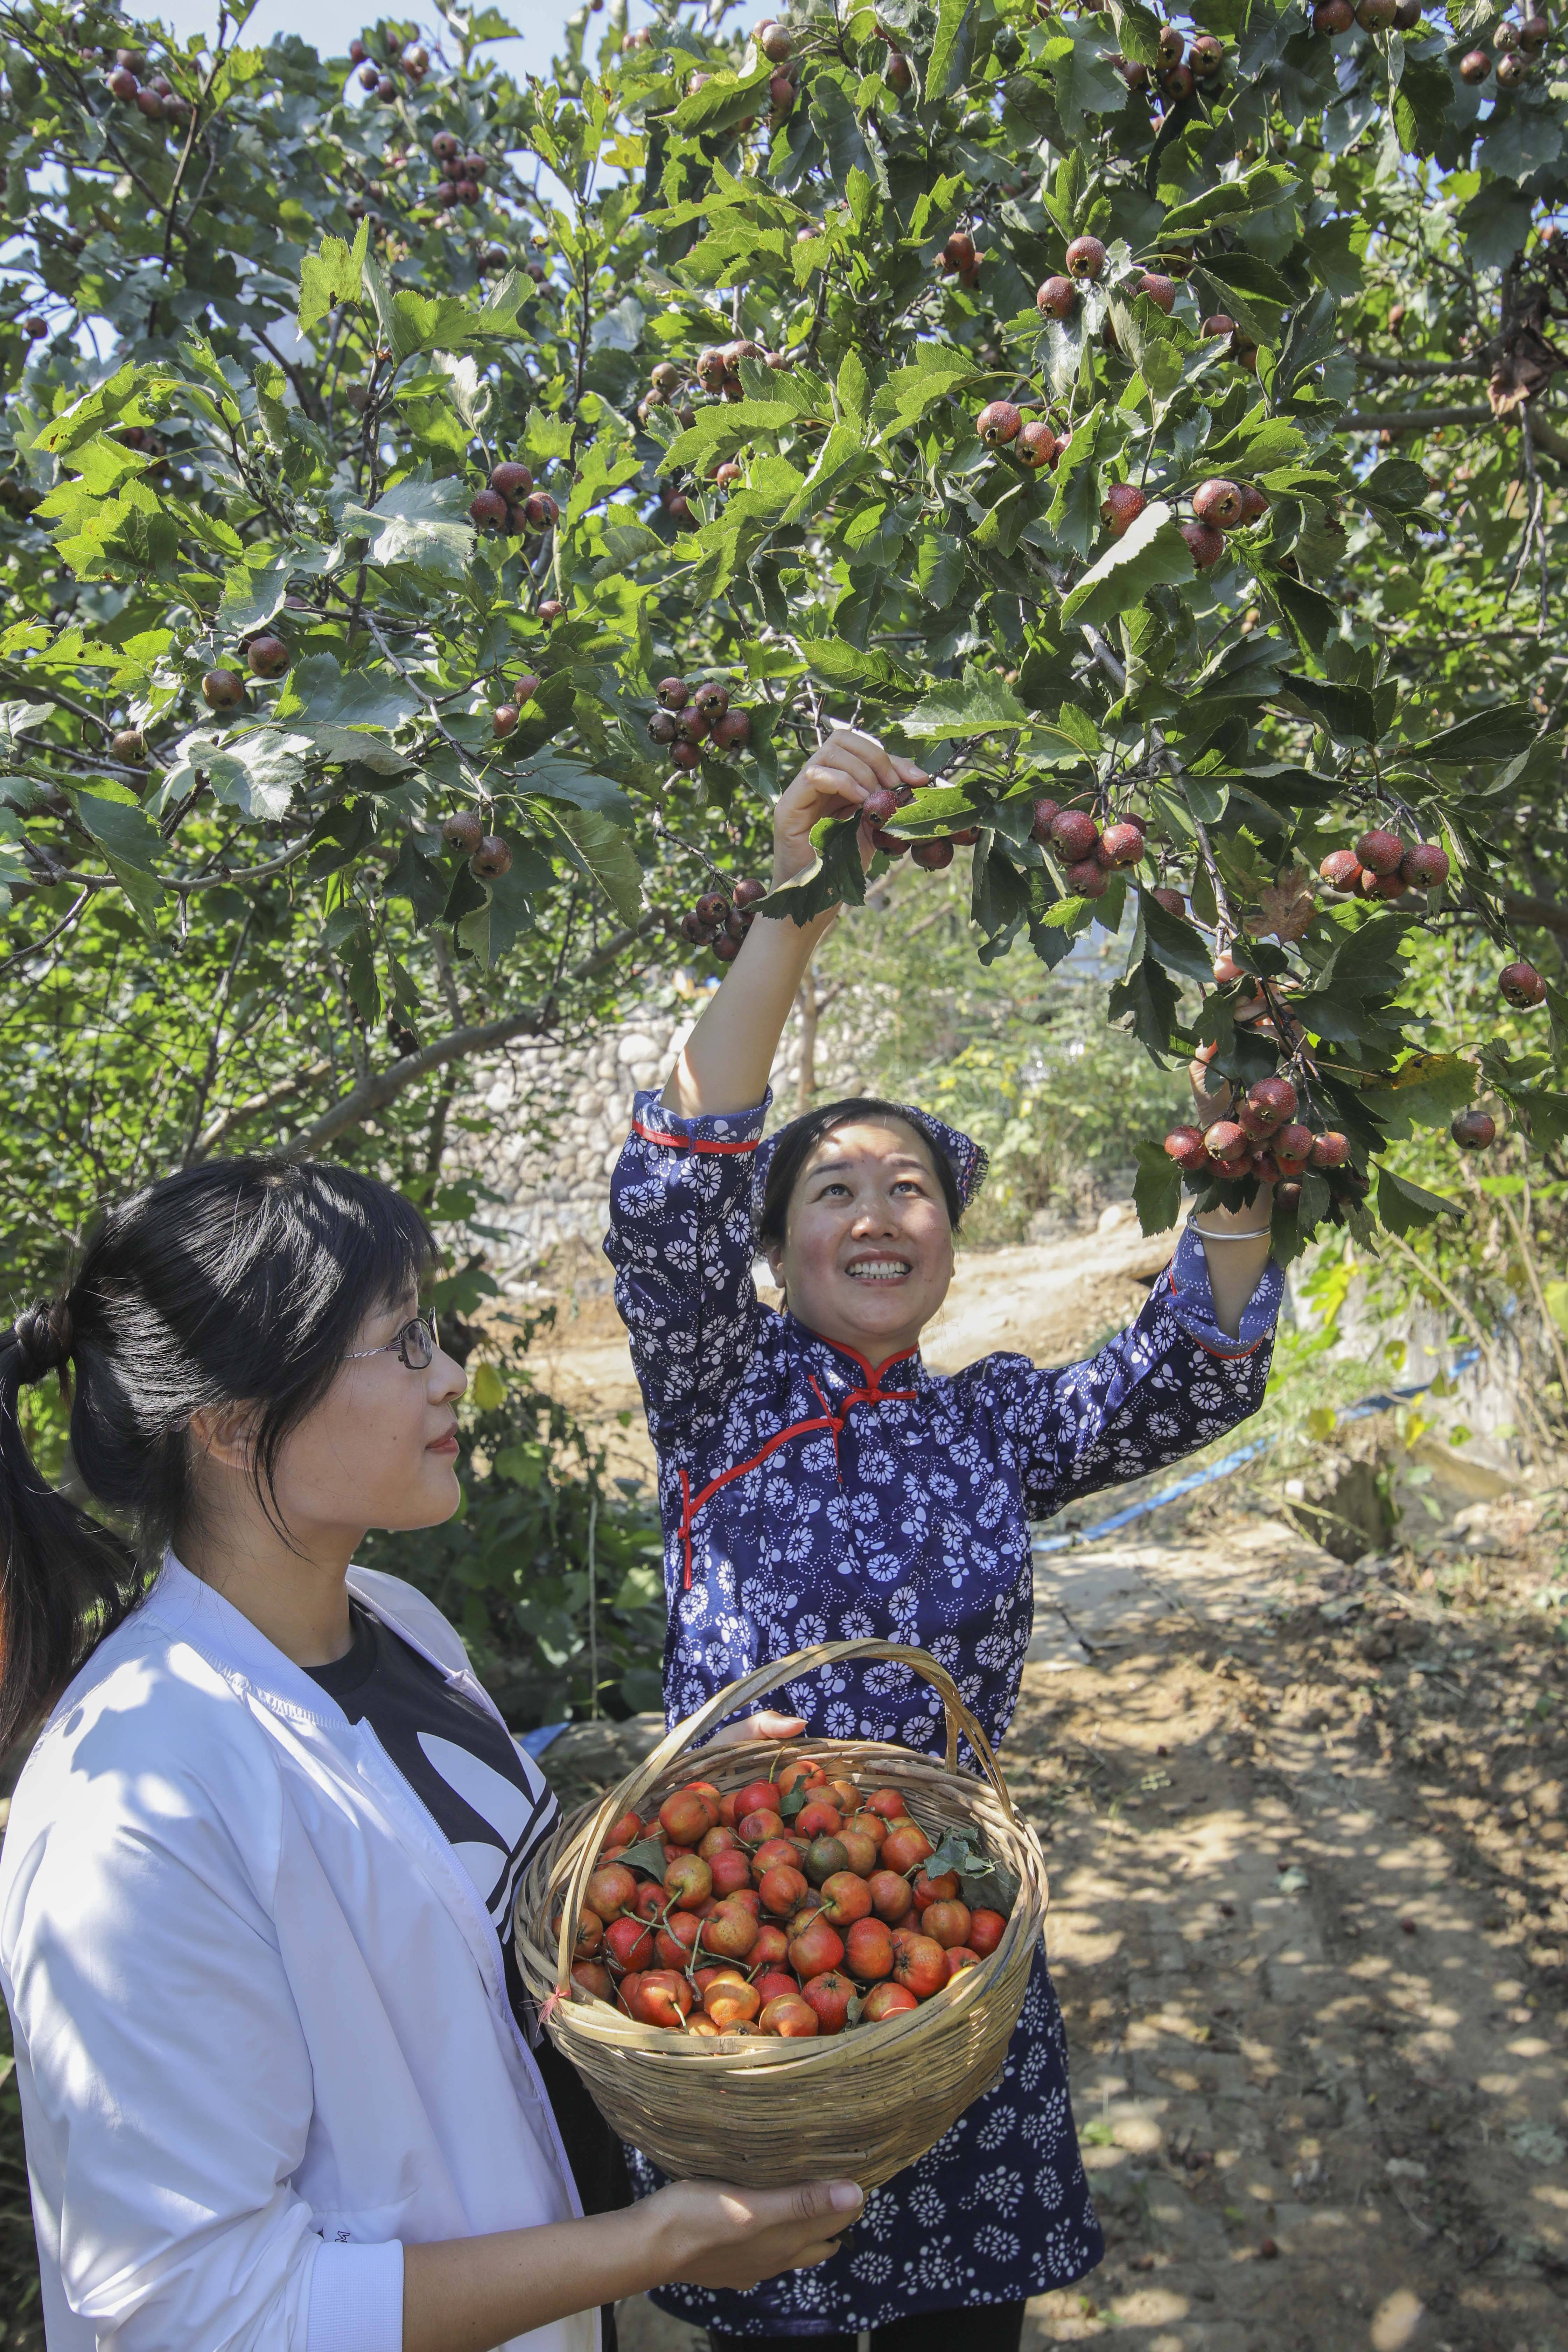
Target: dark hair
(240,1282)
(797,1142)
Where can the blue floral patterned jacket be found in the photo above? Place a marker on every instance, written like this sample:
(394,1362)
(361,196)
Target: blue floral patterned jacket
(808,1495)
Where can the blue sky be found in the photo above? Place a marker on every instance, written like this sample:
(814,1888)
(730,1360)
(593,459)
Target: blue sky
(330,25)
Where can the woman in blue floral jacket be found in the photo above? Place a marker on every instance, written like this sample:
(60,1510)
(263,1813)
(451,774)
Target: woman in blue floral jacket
(817,1482)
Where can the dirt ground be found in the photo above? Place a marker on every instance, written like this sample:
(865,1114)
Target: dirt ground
(1307,1831)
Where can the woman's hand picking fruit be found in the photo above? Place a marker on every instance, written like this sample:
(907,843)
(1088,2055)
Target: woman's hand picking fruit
(764,1725)
(713,2235)
(840,777)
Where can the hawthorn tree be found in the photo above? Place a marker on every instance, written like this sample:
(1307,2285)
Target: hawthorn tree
(439,509)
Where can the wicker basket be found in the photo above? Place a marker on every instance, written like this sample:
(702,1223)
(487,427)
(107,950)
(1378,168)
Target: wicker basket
(858,2105)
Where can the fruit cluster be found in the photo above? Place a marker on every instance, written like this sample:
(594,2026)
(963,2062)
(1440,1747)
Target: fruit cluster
(1264,1139)
(692,715)
(157,100)
(1382,867)
(488,855)
(1178,68)
(718,1918)
(406,54)
(722,923)
(457,175)
(1089,855)
(510,502)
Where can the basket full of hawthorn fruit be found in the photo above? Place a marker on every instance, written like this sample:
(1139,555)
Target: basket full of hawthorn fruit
(799,1968)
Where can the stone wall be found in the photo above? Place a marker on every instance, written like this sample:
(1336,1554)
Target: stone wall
(562,1113)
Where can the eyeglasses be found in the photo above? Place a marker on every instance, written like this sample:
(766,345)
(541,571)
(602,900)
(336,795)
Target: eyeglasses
(416,1344)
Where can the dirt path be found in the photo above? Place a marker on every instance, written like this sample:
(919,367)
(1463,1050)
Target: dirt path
(1309,1925)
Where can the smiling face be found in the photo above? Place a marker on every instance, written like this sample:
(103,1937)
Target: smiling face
(867,1256)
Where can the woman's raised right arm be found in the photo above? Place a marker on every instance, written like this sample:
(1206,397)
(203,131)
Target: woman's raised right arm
(725,1065)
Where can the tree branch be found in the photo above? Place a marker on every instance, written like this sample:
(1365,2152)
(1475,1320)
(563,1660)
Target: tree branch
(382,1086)
(1535,911)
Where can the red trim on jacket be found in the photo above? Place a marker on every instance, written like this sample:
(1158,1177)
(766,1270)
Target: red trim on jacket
(1225,1355)
(689,1142)
(876,1394)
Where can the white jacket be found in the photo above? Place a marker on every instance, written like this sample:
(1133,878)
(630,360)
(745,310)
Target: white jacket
(262,2032)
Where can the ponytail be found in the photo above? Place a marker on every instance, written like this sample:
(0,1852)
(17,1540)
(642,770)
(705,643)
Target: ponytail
(65,1581)
(240,1282)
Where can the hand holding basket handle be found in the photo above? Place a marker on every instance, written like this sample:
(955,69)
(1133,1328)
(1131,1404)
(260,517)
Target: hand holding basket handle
(861,2103)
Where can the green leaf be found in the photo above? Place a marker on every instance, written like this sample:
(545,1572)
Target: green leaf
(1175,942)
(130,842)
(423,525)
(842,458)
(1398,483)
(254,590)
(648,1856)
(979,703)
(836,877)
(1405,1208)
(1347,711)
(1309,338)
(1499,733)
(1156,1189)
(1074,518)
(335,274)
(1426,1090)
(1151,554)
(605,854)
(255,772)
(851,671)
(1257,191)
(722,100)
(936,372)
(950,15)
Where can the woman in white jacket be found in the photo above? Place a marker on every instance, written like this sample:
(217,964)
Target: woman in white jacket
(277,2091)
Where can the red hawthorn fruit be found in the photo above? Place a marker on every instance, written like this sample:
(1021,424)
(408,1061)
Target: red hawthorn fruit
(503,719)
(1087,879)
(1330,1149)
(1472,1131)
(512,480)
(1254,504)
(1179,83)
(661,727)
(1185,1146)
(1074,832)
(1172,900)
(932,856)
(958,253)
(1521,986)
(728,474)
(462,831)
(711,700)
(1292,1148)
(267,656)
(386,88)
(1045,814)
(898,73)
(1380,851)
(1474,68)
(1085,258)
(685,755)
(672,693)
(1161,290)
(1333,16)
(1276,1098)
(549,609)
(1535,33)
(491,860)
(889,842)
(1425,866)
(1217,327)
(223,689)
(1172,47)
(1339,869)
(733,729)
(1219,502)
(1120,845)
(997,423)
(1205,57)
(1375,16)
(713,907)
(1224,1140)
(986,1929)
(487,510)
(1036,445)
(1056,298)
(128,747)
(781,92)
(541,510)
(122,82)
(1206,544)
(1119,509)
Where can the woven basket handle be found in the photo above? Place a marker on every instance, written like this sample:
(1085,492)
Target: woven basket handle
(628,1796)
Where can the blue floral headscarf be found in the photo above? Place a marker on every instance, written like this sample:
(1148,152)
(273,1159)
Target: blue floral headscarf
(968,1161)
